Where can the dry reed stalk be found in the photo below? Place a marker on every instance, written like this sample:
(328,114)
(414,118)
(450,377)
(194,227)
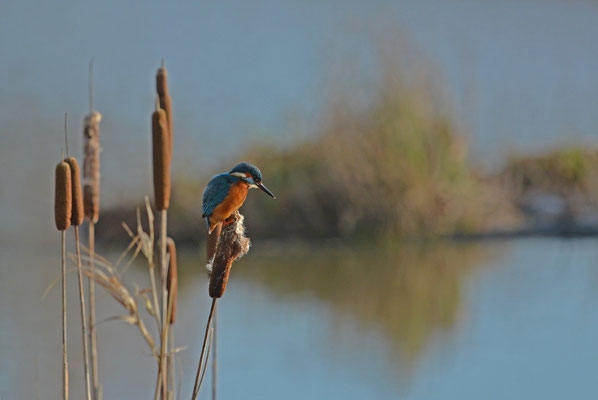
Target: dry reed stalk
(165,102)
(97,388)
(107,275)
(62,218)
(91,207)
(161,159)
(121,294)
(147,243)
(76,220)
(65,363)
(171,366)
(162,371)
(84,329)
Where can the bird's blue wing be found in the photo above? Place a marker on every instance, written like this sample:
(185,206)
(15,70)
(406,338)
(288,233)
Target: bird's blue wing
(215,193)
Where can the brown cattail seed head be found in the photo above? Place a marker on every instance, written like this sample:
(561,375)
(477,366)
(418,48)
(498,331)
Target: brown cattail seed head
(172,278)
(166,105)
(165,102)
(162,81)
(77,197)
(62,196)
(231,245)
(91,166)
(161,159)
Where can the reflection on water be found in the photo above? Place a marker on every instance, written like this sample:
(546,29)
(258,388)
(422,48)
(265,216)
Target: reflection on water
(492,321)
(412,293)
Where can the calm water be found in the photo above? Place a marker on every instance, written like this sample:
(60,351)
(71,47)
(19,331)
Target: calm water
(499,320)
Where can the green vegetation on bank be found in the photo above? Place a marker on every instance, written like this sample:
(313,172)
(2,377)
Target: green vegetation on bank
(569,171)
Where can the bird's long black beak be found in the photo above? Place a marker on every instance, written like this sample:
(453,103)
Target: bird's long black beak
(265,189)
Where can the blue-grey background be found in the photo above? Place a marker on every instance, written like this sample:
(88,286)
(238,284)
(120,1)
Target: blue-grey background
(521,76)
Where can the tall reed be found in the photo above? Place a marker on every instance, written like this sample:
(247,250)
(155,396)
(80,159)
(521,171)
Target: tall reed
(62,218)
(77,215)
(91,208)
(162,156)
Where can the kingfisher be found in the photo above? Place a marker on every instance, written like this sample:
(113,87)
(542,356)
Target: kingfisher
(227,192)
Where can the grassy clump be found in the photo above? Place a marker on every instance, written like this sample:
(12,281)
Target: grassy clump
(568,171)
(397,166)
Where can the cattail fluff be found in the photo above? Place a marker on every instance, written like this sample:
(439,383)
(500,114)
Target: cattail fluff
(91,166)
(165,103)
(172,279)
(161,159)
(231,245)
(62,196)
(77,213)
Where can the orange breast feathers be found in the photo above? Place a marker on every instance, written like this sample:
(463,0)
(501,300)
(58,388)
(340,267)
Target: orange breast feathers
(233,201)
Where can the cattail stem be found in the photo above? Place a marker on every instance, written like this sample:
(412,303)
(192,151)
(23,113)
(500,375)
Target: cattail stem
(214,354)
(162,373)
(84,331)
(77,215)
(172,288)
(62,218)
(155,295)
(164,262)
(92,316)
(65,364)
(168,375)
(171,361)
(196,385)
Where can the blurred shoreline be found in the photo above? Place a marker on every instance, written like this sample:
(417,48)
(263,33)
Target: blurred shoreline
(549,195)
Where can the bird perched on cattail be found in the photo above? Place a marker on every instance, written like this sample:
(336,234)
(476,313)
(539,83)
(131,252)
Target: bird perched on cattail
(227,192)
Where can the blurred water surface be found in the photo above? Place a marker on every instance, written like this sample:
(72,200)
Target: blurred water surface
(515,319)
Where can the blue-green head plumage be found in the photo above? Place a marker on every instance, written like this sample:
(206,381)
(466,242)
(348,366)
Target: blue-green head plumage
(255,176)
(247,168)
